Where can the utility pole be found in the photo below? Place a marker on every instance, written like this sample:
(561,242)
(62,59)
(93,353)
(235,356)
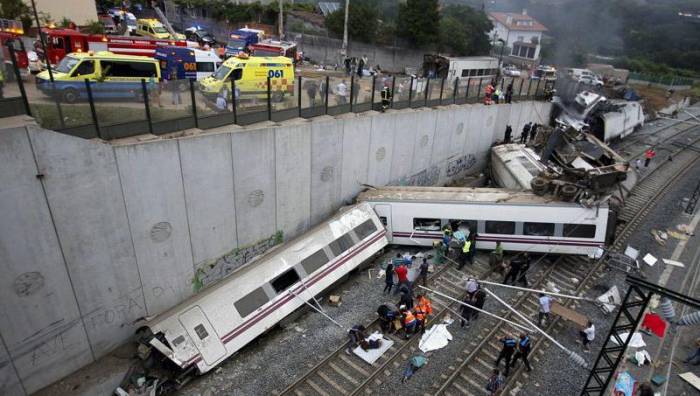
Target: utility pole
(280,22)
(344,50)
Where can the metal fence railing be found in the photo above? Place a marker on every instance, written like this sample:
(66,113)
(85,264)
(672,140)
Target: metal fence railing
(109,110)
(672,81)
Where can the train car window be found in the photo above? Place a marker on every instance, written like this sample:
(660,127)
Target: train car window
(500,227)
(579,230)
(285,281)
(341,244)
(426,224)
(538,229)
(463,224)
(201,331)
(179,340)
(254,300)
(315,261)
(383,220)
(365,229)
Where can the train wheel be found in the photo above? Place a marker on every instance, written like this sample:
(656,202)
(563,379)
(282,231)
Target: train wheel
(539,185)
(568,191)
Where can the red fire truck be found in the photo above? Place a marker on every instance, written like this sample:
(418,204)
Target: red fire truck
(270,47)
(61,42)
(11,32)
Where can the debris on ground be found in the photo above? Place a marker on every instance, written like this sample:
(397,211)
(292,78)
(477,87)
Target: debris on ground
(691,378)
(660,237)
(636,342)
(436,337)
(609,298)
(678,235)
(673,262)
(334,300)
(650,260)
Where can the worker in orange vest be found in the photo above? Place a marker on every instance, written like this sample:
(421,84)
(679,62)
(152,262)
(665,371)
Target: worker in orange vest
(424,308)
(409,321)
(489,92)
(648,155)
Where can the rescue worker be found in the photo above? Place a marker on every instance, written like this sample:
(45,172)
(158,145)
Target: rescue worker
(496,258)
(424,308)
(409,321)
(513,272)
(472,286)
(495,383)
(508,134)
(406,297)
(387,314)
(356,334)
(402,275)
(488,94)
(386,98)
(466,311)
(479,299)
(466,248)
(497,95)
(423,272)
(524,267)
(388,277)
(509,93)
(526,131)
(523,351)
(472,246)
(533,131)
(545,303)
(509,344)
(648,156)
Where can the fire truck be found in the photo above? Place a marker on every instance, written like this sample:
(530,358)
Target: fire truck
(61,42)
(270,47)
(11,32)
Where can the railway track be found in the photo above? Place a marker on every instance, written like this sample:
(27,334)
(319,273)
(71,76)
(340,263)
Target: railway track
(471,375)
(338,373)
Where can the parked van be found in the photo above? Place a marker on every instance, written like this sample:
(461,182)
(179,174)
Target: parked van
(251,74)
(118,76)
(180,63)
(152,27)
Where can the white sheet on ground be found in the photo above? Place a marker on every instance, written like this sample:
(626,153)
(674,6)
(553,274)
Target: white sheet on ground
(636,342)
(435,338)
(371,355)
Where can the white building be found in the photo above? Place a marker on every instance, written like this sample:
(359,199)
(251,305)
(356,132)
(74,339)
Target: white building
(522,35)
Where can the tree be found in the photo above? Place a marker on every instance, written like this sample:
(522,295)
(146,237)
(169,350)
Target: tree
(419,22)
(464,30)
(16,9)
(362,22)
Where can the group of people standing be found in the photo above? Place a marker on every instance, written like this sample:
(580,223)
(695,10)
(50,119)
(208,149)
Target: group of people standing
(494,95)
(528,134)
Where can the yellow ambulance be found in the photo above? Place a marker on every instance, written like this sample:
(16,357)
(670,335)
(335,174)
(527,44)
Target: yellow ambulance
(151,27)
(251,74)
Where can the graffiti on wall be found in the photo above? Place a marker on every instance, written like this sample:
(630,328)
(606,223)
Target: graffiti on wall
(460,164)
(210,272)
(426,177)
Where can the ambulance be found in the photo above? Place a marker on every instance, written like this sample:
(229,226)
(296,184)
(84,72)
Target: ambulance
(116,76)
(251,74)
(179,63)
(151,27)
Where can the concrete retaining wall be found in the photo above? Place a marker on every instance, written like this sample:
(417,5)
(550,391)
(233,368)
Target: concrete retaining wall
(97,235)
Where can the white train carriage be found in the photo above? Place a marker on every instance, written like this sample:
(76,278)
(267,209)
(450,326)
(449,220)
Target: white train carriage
(521,221)
(211,326)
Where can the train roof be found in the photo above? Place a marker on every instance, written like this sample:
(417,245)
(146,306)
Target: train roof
(458,195)
(268,264)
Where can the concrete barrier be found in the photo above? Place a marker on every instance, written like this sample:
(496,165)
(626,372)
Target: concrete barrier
(96,235)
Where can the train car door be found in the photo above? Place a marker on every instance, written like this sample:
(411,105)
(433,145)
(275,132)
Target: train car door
(203,335)
(384,213)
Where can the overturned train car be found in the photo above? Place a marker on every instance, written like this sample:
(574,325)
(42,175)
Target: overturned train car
(201,332)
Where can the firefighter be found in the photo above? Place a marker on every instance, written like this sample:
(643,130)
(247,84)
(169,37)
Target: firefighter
(386,98)
(424,308)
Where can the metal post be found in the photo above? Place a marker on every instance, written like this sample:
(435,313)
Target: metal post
(194,104)
(299,99)
(520,89)
(393,85)
(454,91)
(529,83)
(18,76)
(374,87)
(442,87)
(427,92)
(410,93)
(43,42)
(269,99)
(537,88)
(328,88)
(478,91)
(88,88)
(233,101)
(352,90)
(146,105)
(469,83)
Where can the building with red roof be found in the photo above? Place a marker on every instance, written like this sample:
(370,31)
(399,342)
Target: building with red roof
(522,35)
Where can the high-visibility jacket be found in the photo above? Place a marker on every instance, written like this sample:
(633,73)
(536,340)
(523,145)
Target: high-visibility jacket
(409,317)
(424,308)
(386,94)
(467,246)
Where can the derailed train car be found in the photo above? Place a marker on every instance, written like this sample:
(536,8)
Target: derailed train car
(201,332)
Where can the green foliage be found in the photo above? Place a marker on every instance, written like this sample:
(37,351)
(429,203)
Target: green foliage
(464,30)
(16,9)
(279,237)
(362,22)
(418,22)
(94,27)
(65,22)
